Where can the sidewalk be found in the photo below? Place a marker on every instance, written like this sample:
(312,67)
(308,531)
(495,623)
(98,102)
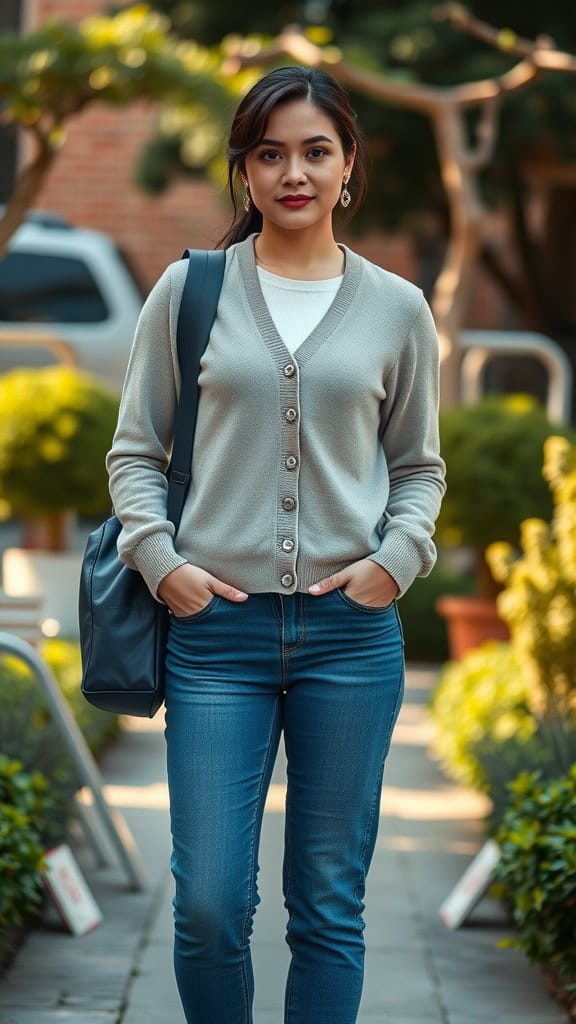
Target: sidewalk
(417,972)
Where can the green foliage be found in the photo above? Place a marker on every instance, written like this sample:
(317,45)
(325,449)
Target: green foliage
(56,427)
(61,67)
(24,803)
(28,733)
(424,630)
(482,697)
(550,750)
(538,869)
(539,600)
(404,41)
(63,659)
(493,454)
(486,732)
(208,22)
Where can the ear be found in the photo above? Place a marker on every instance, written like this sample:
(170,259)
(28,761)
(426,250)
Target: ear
(350,161)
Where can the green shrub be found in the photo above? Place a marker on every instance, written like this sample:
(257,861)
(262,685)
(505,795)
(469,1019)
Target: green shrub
(493,454)
(55,429)
(424,630)
(550,750)
(28,733)
(482,697)
(25,803)
(538,869)
(63,658)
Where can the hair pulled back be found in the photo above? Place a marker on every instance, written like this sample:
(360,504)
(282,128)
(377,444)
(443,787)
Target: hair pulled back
(284,85)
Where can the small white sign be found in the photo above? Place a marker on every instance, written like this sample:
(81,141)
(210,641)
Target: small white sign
(67,886)
(471,887)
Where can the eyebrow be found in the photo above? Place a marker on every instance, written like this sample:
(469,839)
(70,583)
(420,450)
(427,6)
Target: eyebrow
(305,142)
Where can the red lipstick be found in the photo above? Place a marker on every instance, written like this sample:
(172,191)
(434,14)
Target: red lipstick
(295,202)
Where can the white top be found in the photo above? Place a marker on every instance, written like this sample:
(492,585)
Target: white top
(296,307)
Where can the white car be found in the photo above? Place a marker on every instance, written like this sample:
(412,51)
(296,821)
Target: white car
(71,284)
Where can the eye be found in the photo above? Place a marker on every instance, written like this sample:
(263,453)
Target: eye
(268,155)
(317,152)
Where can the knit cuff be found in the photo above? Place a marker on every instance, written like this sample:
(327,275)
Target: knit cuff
(155,557)
(400,557)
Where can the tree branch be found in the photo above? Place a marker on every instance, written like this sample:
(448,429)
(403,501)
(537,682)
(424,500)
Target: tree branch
(541,52)
(427,99)
(292,43)
(486,132)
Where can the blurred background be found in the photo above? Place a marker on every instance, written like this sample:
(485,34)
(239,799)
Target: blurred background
(113,120)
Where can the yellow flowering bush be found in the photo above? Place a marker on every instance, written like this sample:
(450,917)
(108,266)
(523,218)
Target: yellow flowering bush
(539,599)
(55,429)
(482,698)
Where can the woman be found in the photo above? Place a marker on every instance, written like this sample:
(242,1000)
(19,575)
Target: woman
(316,483)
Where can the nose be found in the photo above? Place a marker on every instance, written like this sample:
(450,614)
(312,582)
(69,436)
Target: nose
(294,170)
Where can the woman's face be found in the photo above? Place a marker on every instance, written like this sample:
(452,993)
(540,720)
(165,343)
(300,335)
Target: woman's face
(295,174)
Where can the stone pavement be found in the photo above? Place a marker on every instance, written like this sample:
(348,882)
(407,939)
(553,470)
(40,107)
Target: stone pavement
(417,971)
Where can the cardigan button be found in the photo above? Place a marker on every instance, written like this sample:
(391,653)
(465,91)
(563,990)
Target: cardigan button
(287,580)
(289,504)
(287,545)
(290,415)
(291,462)
(289,370)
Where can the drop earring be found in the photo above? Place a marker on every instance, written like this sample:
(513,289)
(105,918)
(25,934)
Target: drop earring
(345,197)
(246,199)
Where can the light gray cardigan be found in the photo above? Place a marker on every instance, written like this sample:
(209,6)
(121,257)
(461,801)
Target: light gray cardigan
(302,463)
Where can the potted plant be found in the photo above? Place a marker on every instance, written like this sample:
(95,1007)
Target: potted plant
(55,429)
(493,453)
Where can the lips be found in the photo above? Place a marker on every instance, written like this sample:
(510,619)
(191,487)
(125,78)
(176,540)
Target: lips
(295,202)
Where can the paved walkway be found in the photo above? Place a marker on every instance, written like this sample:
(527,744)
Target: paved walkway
(417,972)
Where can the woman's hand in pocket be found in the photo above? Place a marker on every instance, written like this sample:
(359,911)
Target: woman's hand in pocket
(188,589)
(364,581)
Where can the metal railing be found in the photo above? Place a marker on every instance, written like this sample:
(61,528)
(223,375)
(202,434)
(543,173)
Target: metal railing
(482,346)
(87,771)
(61,349)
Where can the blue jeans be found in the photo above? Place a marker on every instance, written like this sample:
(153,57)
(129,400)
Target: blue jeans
(329,673)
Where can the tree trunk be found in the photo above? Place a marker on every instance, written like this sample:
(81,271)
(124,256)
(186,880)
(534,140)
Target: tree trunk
(27,188)
(466,218)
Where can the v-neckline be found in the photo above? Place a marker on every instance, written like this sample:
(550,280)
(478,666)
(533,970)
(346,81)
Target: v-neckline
(324,328)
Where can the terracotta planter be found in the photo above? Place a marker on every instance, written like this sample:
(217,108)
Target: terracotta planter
(470,622)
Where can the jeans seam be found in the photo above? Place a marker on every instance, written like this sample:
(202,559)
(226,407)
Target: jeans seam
(377,785)
(252,861)
(290,648)
(282,648)
(379,780)
(287,854)
(273,601)
(289,984)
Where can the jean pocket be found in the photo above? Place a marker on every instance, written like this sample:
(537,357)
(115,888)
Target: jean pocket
(368,608)
(197,615)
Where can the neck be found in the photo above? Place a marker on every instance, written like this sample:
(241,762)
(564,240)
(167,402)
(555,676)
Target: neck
(307,254)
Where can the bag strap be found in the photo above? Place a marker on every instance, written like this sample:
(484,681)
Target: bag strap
(195,318)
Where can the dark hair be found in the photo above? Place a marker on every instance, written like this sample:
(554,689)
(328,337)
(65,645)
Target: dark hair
(284,85)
